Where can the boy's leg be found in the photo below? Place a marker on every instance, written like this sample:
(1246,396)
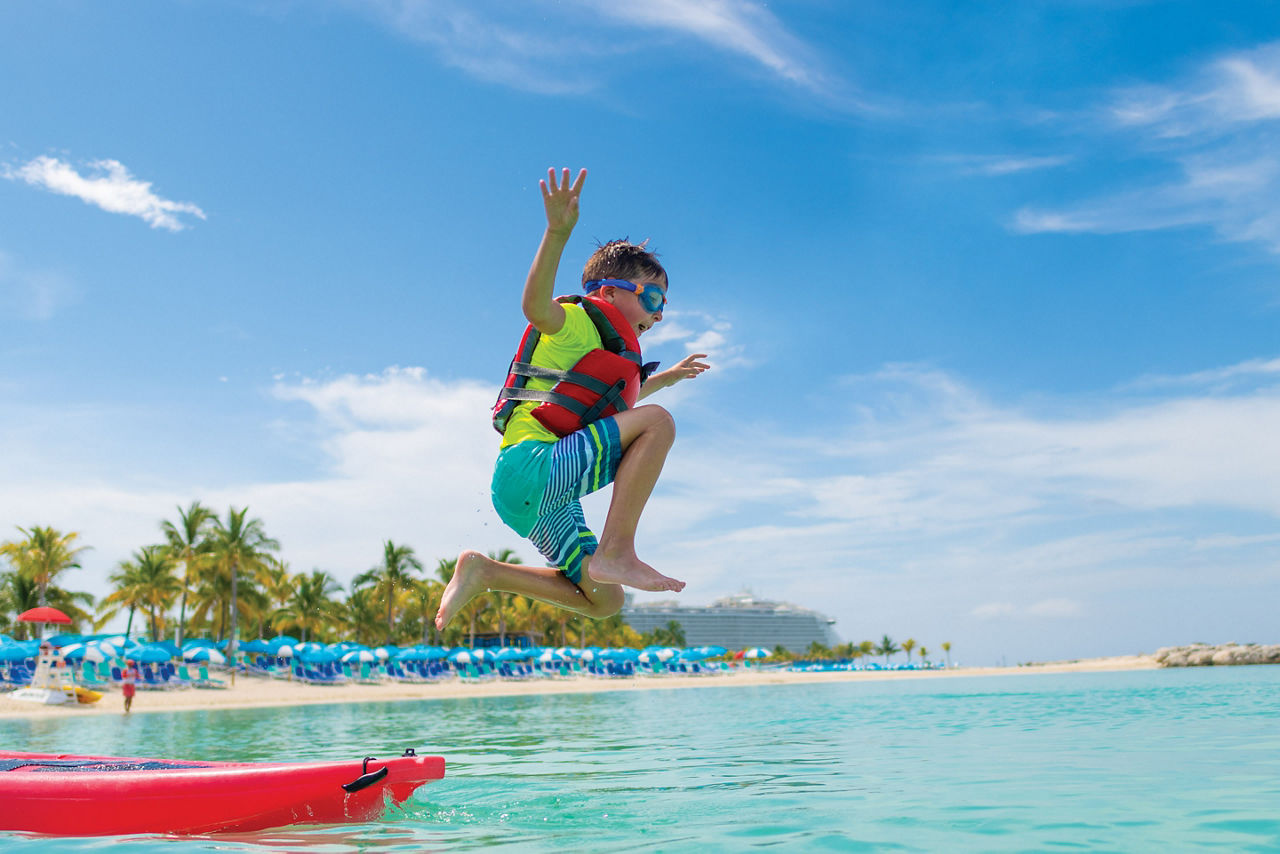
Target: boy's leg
(475,573)
(646,434)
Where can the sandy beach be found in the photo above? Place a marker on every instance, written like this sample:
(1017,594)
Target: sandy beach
(252,692)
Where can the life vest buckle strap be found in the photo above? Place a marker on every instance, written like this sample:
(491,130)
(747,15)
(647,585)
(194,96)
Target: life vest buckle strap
(612,397)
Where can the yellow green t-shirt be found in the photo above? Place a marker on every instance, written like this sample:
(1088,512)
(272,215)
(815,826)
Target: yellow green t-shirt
(560,352)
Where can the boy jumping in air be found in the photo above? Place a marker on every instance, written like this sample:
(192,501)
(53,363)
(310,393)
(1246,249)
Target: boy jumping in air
(570,427)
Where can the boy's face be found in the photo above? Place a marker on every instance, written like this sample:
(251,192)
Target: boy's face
(628,302)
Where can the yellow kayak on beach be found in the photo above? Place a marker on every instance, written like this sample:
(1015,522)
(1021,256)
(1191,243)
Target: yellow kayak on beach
(83,694)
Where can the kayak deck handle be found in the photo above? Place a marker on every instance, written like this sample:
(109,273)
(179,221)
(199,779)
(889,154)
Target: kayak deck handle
(366,778)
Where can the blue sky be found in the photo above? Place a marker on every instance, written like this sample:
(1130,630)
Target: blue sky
(991,298)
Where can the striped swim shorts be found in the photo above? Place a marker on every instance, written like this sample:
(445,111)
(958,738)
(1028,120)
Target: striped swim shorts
(538,486)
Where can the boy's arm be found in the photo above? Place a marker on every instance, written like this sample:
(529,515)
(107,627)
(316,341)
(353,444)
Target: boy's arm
(561,204)
(687,368)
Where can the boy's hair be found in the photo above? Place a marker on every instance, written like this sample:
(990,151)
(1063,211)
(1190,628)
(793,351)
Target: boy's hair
(622,259)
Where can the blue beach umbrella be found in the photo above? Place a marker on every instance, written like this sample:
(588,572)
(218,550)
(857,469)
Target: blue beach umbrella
(204,653)
(281,640)
(385,651)
(196,643)
(255,646)
(364,656)
(411,653)
(13,652)
(82,652)
(695,654)
(150,654)
(621,654)
(62,640)
(174,651)
(756,652)
(512,654)
(282,651)
(317,656)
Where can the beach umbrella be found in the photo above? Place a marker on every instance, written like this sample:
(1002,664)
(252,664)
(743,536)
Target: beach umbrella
(64,640)
(550,656)
(317,655)
(78,651)
(712,651)
(150,654)
(620,654)
(13,652)
(463,657)
(196,643)
(423,653)
(361,655)
(174,651)
(756,652)
(281,640)
(44,614)
(695,654)
(255,646)
(5,638)
(284,651)
(512,654)
(386,651)
(205,653)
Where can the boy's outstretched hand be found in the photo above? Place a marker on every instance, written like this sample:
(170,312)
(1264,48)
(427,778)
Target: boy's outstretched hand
(687,368)
(561,201)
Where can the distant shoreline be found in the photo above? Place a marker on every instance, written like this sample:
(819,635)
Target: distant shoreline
(255,693)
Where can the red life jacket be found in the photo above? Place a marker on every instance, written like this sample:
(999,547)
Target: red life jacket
(604,382)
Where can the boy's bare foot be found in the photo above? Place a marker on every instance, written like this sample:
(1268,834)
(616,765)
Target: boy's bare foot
(629,571)
(466,584)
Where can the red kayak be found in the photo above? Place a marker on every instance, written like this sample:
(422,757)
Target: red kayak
(67,795)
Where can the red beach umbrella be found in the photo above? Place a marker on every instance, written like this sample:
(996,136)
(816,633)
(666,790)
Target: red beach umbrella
(44,614)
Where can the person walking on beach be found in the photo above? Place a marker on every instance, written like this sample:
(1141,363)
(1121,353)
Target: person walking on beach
(570,427)
(129,684)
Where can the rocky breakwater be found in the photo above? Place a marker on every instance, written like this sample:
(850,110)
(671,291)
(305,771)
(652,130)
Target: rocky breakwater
(1205,655)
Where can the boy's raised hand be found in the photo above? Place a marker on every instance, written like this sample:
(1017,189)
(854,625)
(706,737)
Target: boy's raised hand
(561,201)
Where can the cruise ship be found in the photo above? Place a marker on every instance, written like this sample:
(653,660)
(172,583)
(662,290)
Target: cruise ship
(737,622)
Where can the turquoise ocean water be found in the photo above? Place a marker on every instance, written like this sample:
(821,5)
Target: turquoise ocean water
(1171,760)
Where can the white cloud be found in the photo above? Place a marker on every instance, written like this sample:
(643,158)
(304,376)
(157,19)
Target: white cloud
(554,47)
(996,165)
(1215,134)
(741,27)
(108,185)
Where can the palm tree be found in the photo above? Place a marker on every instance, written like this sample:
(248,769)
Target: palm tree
(278,586)
(189,543)
(391,577)
(908,645)
(42,556)
(946,647)
(887,648)
(311,606)
(361,615)
(239,545)
(157,584)
(924,655)
(127,592)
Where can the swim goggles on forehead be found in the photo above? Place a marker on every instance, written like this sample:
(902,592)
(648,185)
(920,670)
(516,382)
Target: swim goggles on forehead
(652,297)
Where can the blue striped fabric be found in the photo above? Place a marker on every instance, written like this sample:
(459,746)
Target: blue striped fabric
(581,463)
